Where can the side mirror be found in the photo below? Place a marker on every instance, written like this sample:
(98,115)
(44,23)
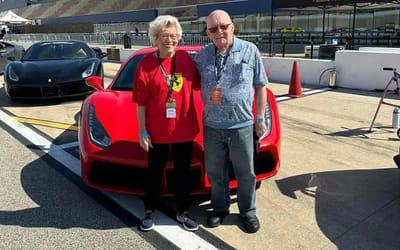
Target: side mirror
(95,82)
(102,55)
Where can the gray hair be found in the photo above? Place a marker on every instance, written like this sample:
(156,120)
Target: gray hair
(162,22)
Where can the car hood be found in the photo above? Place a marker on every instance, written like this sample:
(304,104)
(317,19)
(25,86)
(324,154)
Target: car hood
(116,112)
(56,71)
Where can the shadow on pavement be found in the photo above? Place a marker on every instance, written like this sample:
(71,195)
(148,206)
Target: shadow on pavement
(60,203)
(357,208)
(364,132)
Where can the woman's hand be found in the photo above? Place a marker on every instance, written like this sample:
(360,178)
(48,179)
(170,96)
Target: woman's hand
(145,143)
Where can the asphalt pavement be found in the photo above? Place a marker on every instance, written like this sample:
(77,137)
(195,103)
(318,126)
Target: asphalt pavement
(43,206)
(337,188)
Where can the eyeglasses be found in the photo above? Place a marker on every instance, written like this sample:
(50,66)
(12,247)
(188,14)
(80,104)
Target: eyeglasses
(166,36)
(222,27)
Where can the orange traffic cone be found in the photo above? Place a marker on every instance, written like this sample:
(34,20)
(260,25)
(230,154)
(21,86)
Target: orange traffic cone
(295,84)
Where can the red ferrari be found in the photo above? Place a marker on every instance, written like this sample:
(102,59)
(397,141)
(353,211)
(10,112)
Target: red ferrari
(111,158)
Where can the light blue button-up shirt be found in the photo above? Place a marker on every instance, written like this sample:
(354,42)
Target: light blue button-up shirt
(243,70)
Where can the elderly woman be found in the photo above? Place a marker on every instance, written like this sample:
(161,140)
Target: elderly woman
(167,120)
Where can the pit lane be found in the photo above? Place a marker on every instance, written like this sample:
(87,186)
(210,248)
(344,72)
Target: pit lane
(337,183)
(52,127)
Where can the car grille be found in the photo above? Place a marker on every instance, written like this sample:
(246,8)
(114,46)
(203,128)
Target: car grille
(131,179)
(71,89)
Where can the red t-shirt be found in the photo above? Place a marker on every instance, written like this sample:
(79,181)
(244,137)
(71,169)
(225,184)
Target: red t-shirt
(150,89)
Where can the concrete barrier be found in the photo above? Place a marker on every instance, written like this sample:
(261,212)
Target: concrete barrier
(355,69)
(313,72)
(363,69)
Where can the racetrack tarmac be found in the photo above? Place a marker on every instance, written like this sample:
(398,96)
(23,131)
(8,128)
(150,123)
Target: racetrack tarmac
(337,187)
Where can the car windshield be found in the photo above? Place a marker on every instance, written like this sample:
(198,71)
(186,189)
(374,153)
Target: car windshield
(125,78)
(56,51)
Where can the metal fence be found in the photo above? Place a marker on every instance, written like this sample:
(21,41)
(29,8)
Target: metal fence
(270,44)
(264,43)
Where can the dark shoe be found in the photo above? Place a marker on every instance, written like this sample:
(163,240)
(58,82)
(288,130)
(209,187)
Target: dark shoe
(187,222)
(215,218)
(251,224)
(147,223)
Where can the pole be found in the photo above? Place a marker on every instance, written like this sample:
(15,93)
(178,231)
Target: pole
(270,32)
(323,24)
(354,25)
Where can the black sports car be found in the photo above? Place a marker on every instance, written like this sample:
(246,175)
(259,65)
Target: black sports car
(53,69)
(9,51)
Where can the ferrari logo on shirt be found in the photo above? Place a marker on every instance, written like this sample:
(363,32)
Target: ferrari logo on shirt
(178,83)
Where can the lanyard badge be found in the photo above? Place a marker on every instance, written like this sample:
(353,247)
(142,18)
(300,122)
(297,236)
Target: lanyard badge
(171,108)
(216,95)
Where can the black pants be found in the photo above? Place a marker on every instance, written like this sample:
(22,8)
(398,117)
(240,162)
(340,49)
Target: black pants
(157,158)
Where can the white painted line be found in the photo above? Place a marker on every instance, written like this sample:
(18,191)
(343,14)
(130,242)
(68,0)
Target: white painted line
(315,91)
(165,226)
(45,145)
(310,92)
(70,145)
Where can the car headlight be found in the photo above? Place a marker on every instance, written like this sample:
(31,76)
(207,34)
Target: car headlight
(97,133)
(89,70)
(12,75)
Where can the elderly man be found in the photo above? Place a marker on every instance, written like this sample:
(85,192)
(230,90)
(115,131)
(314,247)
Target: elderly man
(231,70)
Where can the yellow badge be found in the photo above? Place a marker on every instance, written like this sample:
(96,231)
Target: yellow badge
(177,86)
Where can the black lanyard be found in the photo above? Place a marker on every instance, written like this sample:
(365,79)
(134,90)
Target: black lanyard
(170,80)
(220,64)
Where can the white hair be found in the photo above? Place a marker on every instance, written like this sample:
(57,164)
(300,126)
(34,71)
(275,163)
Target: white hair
(162,22)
